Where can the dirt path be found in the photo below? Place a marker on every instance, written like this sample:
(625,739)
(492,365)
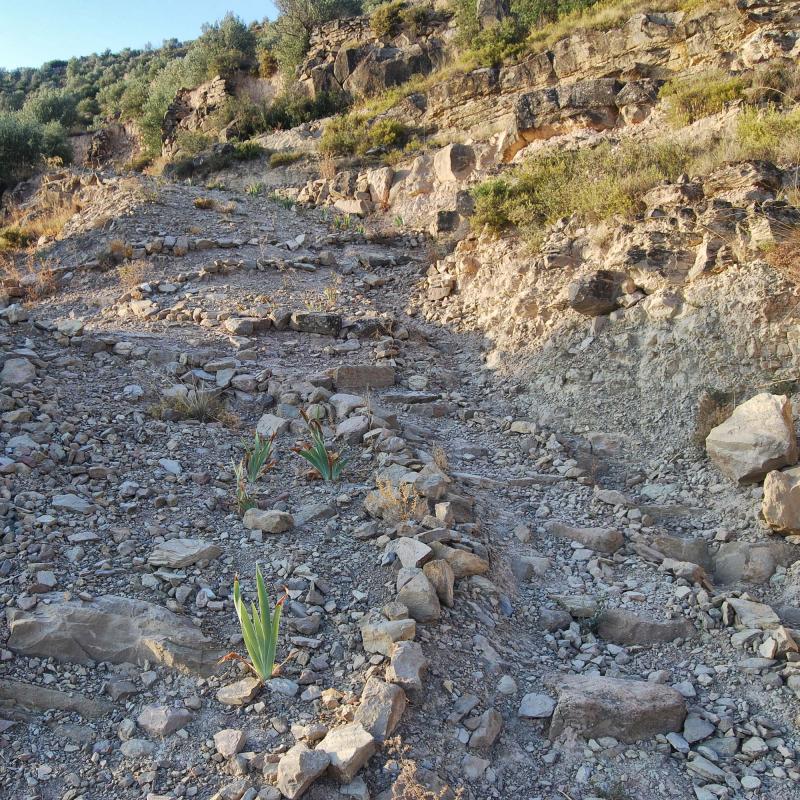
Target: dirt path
(106,352)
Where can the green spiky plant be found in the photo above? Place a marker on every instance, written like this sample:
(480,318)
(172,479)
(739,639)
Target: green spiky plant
(326,464)
(258,456)
(259,628)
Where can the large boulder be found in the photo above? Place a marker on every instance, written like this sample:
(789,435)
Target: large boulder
(757,438)
(454,163)
(111,628)
(593,706)
(781,503)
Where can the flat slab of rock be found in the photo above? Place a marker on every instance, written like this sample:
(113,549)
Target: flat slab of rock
(111,628)
(751,614)
(183,553)
(239,693)
(17,372)
(73,503)
(757,438)
(363,376)
(298,768)
(628,710)
(349,748)
(417,594)
(410,552)
(158,720)
(40,698)
(603,540)
(267,521)
(407,666)
(624,627)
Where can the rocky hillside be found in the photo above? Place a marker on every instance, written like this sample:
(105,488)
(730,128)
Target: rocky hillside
(540,321)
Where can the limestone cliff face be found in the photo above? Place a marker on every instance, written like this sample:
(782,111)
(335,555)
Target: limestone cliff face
(347,56)
(191,111)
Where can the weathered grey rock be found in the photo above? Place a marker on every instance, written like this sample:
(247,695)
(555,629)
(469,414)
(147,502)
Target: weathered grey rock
(407,666)
(137,748)
(269,424)
(40,698)
(160,720)
(73,503)
(595,294)
(625,627)
(378,634)
(628,710)
(441,575)
(267,521)
(416,592)
(489,726)
(362,376)
(780,505)
(381,708)
(744,561)
(352,429)
(115,629)
(239,693)
(17,372)
(757,438)
(603,540)
(298,768)
(317,322)
(464,563)
(229,742)
(183,553)
(410,552)
(536,706)
(751,614)
(349,748)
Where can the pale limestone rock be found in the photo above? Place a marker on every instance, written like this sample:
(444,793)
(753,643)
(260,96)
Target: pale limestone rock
(758,437)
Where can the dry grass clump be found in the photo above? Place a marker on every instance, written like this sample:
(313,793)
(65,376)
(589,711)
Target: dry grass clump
(440,458)
(691,98)
(133,273)
(400,503)
(203,203)
(785,257)
(713,408)
(38,279)
(25,228)
(198,404)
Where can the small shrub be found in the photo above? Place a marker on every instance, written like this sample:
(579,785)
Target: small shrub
(192,143)
(415,18)
(139,163)
(259,629)
(282,200)
(254,189)
(690,99)
(132,274)
(118,250)
(400,503)
(385,20)
(204,203)
(593,183)
(768,134)
(785,257)
(247,151)
(14,238)
(352,135)
(284,158)
(197,404)
(325,463)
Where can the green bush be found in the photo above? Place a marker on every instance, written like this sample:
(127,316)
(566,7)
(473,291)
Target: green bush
(23,144)
(247,151)
(285,158)
(351,134)
(385,20)
(52,105)
(192,143)
(690,99)
(768,134)
(593,183)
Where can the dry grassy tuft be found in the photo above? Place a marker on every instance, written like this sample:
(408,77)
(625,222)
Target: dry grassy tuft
(133,273)
(203,203)
(402,503)
(327,168)
(203,406)
(440,458)
(785,257)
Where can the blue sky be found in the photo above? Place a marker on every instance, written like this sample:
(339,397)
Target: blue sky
(35,31)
